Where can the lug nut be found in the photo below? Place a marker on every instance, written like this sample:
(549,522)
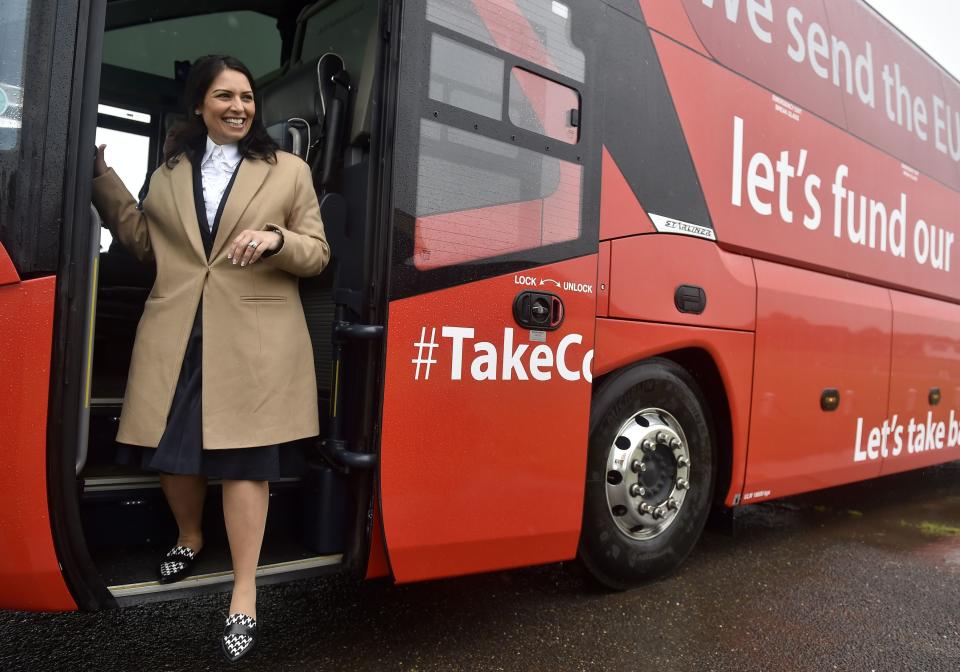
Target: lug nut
(647,445)
(672,504)
(683,462)
(637,491)
(661,437)
(682,484)
(675,443)
(645,508)
(638,466)
(658,512)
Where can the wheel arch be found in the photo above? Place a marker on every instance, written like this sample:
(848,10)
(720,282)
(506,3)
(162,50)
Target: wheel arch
(703,368)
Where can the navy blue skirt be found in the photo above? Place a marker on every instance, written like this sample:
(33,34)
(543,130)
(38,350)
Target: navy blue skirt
(180,450)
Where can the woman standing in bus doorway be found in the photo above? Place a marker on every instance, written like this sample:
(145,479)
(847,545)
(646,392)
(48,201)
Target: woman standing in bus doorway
(222,368)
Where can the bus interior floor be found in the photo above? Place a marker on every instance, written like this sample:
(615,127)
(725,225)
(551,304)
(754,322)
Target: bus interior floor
(124,565)
(128,532)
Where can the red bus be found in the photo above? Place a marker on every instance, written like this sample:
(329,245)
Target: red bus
(600,266)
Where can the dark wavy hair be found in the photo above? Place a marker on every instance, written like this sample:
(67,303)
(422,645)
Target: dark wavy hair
(190,137)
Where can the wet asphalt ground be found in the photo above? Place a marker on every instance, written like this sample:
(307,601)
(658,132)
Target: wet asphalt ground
(865,577)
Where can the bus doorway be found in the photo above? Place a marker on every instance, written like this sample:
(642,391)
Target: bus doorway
(317,73)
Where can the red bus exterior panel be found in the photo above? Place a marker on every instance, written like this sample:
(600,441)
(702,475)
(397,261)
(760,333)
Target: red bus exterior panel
(839,60)
(926,355)
(671,18)
(8,273)
(647,270)
(377,564)
(620,343)
(30,577)
(621,214)
(814,333)
(483,454)
(603,280)
(786,185)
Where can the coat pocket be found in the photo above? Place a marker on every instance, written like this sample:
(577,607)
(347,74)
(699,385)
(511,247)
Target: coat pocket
(263,299)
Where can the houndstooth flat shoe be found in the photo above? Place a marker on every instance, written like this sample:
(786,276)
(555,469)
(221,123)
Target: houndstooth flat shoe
(176,564)
(239,636)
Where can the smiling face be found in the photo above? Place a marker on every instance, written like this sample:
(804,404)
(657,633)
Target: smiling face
(228,107)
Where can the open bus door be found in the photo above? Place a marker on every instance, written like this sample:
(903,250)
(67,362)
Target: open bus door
(45,230)
(84,530)
(492,288)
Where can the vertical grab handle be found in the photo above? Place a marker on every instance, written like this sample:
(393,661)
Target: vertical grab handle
(83,429)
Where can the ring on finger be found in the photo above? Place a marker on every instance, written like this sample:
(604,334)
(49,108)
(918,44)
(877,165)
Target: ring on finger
(253,244)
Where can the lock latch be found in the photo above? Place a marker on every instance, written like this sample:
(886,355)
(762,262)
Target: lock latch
(538,310)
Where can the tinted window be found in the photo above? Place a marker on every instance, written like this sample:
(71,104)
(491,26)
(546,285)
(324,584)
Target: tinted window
(466,78)
(536,30)
(13,24)
(543,106)
(343,28)
(479,198)
(154,47)
(492,157)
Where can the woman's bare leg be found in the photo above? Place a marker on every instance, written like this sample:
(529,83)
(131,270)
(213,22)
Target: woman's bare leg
(245,515)
(185,495)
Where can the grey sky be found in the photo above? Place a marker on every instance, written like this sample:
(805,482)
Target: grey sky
(933,24)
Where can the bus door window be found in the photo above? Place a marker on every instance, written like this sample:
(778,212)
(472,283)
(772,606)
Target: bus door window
(535,30)
(12,37)
(544,106)
(481,92)
(480,198)
(497,147)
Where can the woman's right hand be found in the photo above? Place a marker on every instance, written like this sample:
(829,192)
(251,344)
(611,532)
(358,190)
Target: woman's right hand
(99,163)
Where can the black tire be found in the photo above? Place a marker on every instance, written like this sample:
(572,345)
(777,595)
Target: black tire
(616,557)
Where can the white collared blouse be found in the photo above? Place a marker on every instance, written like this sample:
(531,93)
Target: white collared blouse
(216,169)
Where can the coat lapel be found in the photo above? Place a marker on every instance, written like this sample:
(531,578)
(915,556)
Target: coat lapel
(182,182)
(250,175)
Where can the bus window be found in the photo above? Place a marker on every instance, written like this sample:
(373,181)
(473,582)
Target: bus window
(466,78)
(536,30)
(154,47)
(543,106)
(341,28)
(479,198)
(128,150)
(12,35)
(130,157)
(493,151)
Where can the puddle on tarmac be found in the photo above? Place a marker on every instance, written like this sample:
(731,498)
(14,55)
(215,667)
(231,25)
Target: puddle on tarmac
(916,512)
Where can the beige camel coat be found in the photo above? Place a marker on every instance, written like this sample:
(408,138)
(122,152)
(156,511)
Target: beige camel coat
(259,385)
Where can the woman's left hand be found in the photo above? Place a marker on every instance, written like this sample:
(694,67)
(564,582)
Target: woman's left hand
(250,245)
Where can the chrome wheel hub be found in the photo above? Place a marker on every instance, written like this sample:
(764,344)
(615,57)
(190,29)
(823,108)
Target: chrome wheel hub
(648,473)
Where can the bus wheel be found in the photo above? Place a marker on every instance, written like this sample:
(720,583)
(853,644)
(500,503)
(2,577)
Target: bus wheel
(650,474)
